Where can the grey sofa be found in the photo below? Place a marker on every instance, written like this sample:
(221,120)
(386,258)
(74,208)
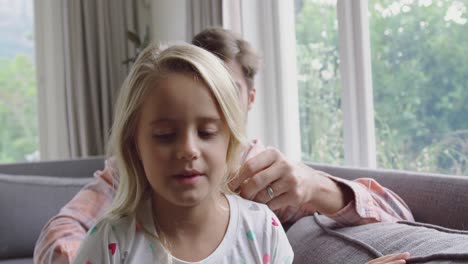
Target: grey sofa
(32,193)
(439,204)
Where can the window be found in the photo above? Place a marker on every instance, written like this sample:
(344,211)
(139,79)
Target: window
(319,84)
(18,103)
(419,81)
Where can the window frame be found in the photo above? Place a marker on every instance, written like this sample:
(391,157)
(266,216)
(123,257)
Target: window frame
(269,26)
(356,82)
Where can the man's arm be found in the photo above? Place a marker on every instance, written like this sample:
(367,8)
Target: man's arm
(372,203)
(299,190)
(369,202)
(61,237)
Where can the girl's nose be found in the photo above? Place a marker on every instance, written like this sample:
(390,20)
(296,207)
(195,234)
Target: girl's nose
(188,149)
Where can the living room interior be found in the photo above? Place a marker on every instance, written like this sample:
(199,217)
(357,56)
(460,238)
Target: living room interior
(357,89)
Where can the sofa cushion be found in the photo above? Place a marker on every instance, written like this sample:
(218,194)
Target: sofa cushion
(26,204)
(17,261)
(333,243)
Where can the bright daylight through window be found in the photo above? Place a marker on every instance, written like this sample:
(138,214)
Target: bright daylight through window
(319,84)
(419,77)
(18,103)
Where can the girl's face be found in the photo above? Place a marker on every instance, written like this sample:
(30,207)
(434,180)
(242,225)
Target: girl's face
(182,140)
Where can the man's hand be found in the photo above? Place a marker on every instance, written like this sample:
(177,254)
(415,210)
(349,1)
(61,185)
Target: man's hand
(295,187)
(399,258)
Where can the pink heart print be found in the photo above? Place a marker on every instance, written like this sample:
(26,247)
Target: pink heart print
(273,221)
(112,248)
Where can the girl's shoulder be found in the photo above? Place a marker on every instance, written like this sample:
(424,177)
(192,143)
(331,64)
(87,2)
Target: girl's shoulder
(253,213)
(107,223)
(108,229)
(243,204)
(104,239)
(259,231)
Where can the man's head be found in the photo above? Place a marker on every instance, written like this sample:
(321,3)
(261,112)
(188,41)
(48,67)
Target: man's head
(237,54)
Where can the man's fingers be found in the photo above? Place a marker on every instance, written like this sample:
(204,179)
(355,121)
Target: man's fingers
(259,182)
(252,166)
(396,256)
(391,259)
(278,188)
(400,261)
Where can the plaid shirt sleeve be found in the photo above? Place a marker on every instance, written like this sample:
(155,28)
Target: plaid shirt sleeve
(61,237)
(372,203)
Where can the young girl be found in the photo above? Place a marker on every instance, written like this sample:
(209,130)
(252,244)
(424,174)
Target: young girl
(177,138)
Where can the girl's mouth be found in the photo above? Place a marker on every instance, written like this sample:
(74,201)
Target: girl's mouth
(188,176)
(188,179)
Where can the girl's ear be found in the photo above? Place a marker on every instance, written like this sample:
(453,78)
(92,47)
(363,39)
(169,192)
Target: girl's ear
(137,149)
(138,153)
(251,98)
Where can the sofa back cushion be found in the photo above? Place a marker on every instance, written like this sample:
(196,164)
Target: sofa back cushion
(26,204)
(72,168)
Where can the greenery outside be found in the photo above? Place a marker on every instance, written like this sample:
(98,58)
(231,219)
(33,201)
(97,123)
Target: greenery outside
(18,95)
(18,109)
(420,81)
(319,84)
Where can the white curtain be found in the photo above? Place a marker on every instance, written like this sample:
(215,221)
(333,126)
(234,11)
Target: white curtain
(202,14)
(269,26)
(81,46)
(180,20)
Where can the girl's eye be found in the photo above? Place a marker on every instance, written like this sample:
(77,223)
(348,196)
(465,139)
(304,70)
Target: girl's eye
(164,137)
(207,134)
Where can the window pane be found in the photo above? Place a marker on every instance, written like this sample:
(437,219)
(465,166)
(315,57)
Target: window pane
(420,80)
(319,81)
(18,103)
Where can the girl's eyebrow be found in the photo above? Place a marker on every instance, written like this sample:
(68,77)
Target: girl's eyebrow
(210,120)
(164,121)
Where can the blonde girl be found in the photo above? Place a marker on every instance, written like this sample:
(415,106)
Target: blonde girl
(177,138)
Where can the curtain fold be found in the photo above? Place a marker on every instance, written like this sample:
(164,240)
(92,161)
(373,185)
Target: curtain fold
(95,46)
(202,14)
(82,45)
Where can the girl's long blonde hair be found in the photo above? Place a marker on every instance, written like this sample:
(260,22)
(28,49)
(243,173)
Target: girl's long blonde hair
(152,64)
